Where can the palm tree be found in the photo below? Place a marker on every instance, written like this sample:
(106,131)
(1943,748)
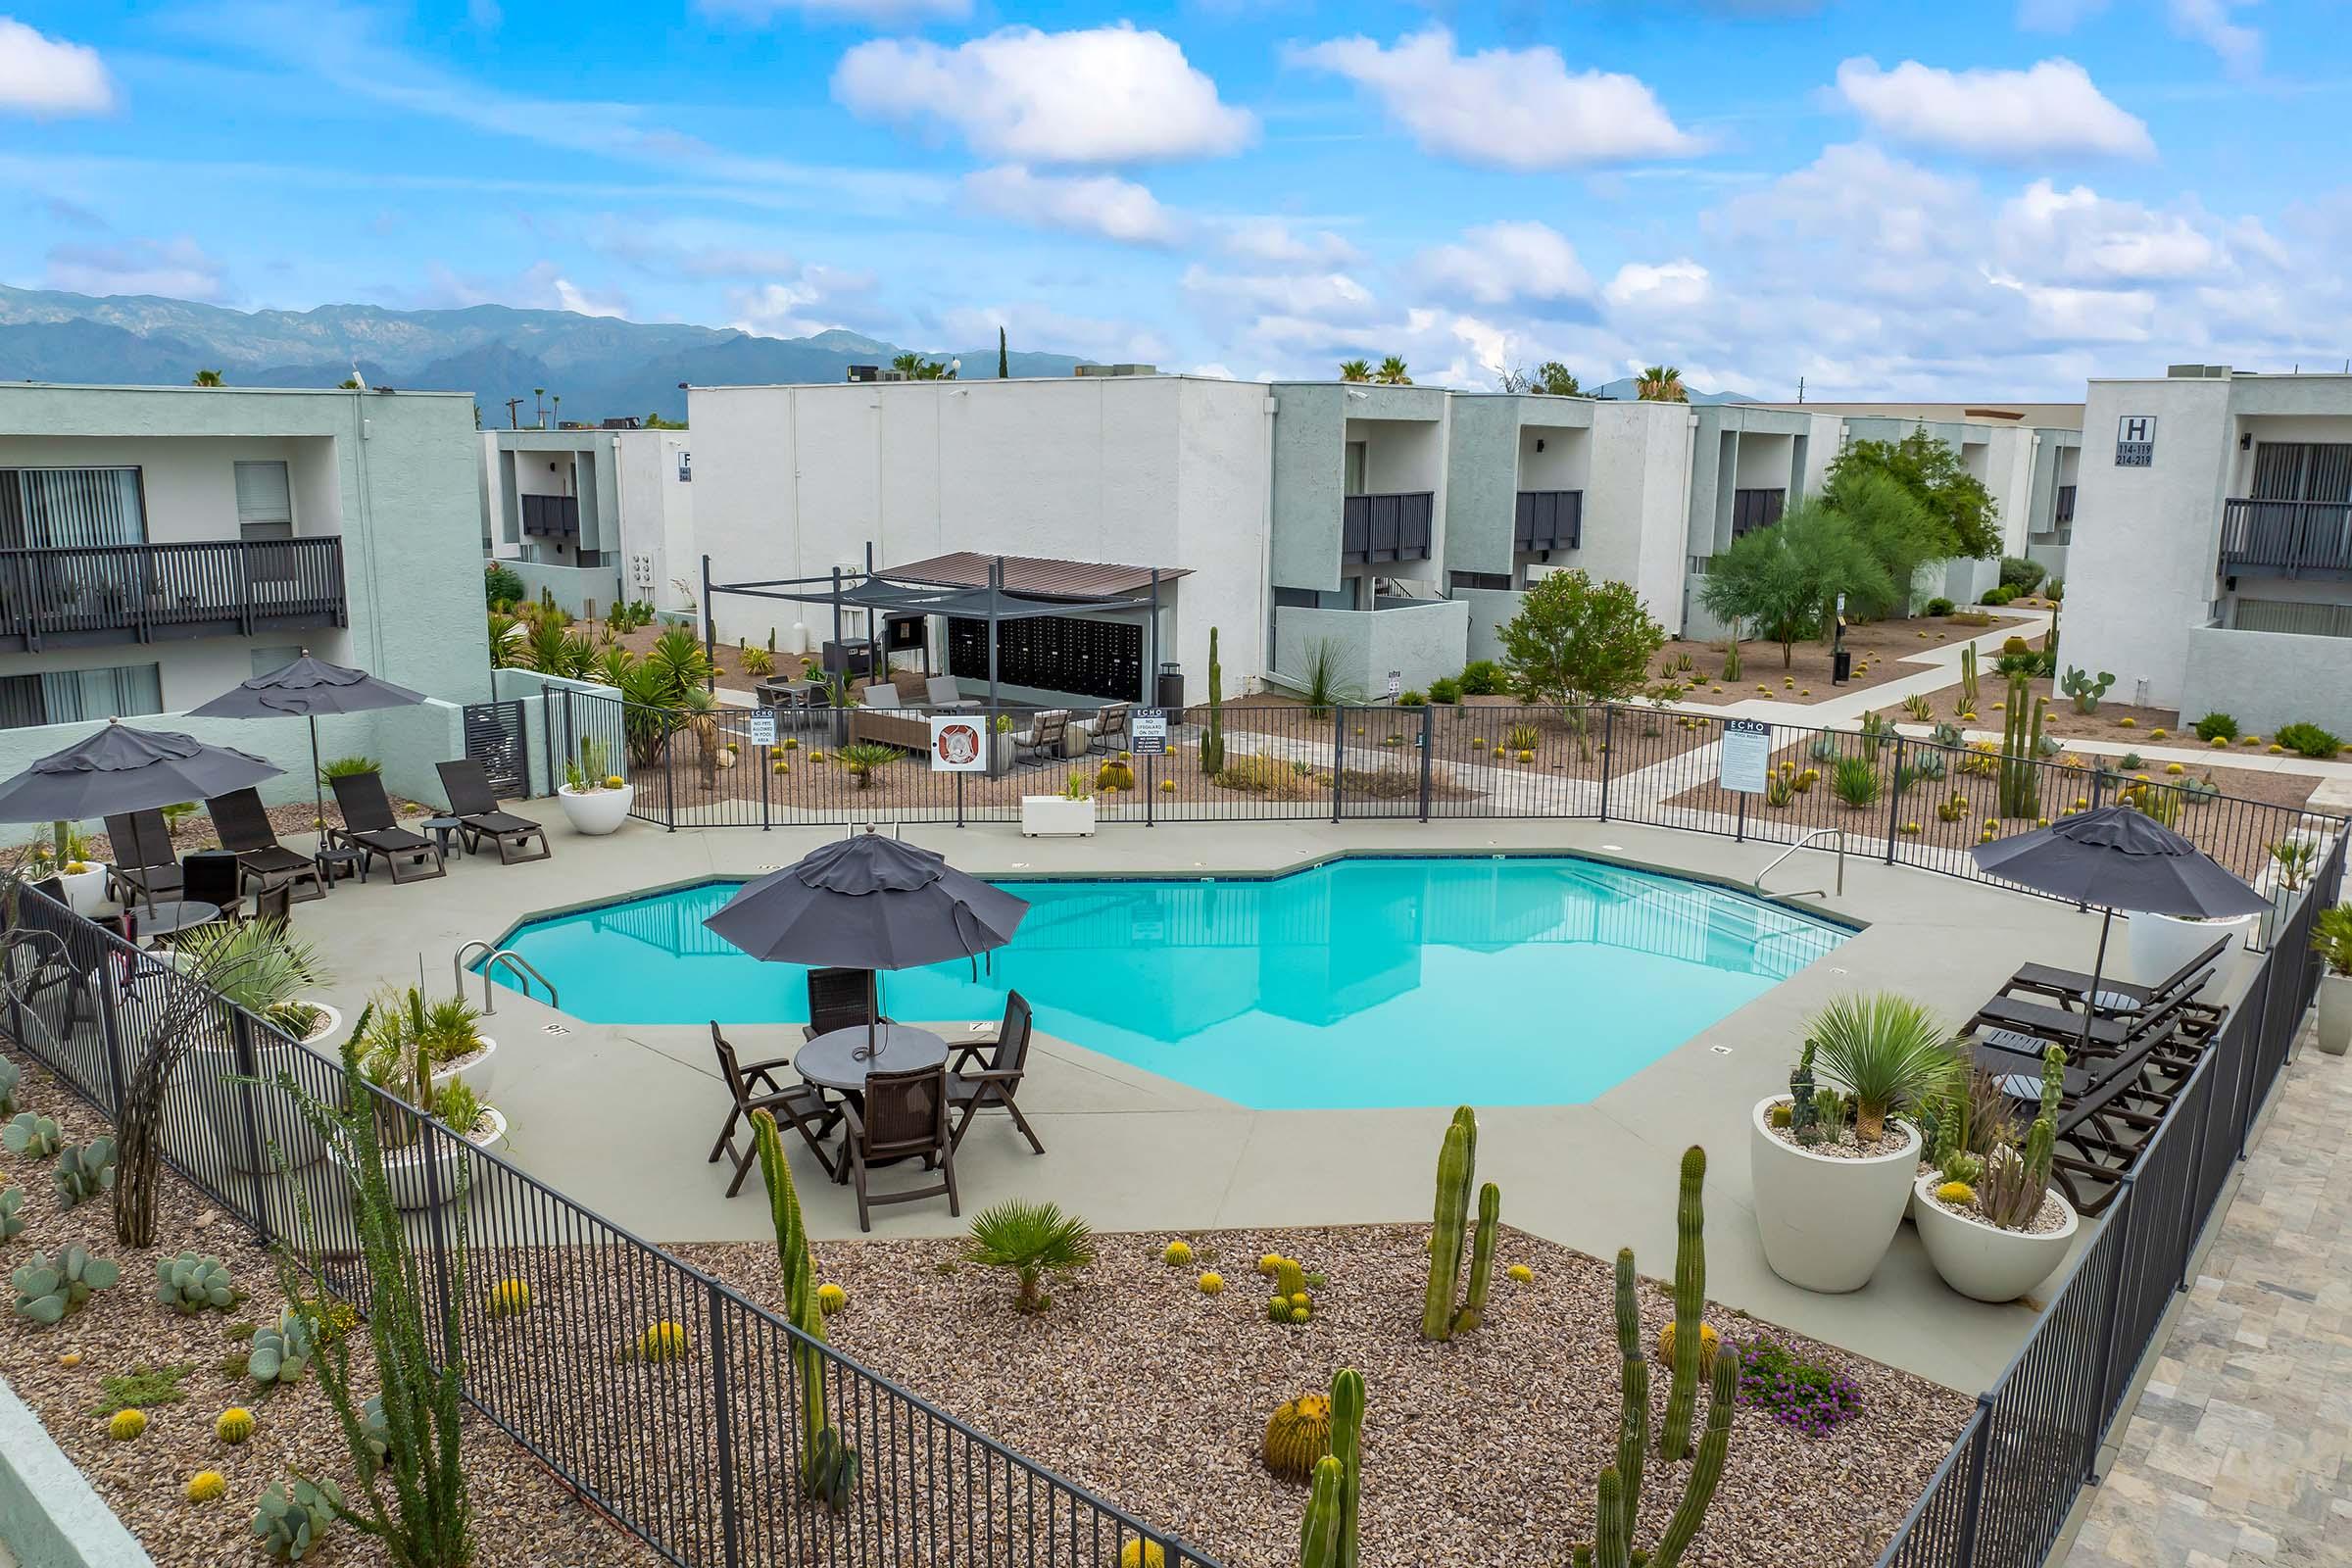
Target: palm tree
(208,378)
(1355,370)
(1661,383)
(1392,373)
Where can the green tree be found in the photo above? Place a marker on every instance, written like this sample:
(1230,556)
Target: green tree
(1552,378)
(1355,370)
(1901,535)
(1003,358)
(1576,641)
(1392,373)
(1783,581)
(1931,470)
(208,378)
(655,422)
(1660,384)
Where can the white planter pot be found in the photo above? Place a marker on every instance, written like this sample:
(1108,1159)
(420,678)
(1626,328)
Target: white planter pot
(208,1076)
(2156,946)
(2336,1013)
(1054,814)
(1826,1222)
(85,891)
(1981,1262)
(430,1170)
(596,812)
(476,1074)
(330,1022)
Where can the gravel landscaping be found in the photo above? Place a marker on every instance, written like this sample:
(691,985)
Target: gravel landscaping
(1483,1450)
(1879,647)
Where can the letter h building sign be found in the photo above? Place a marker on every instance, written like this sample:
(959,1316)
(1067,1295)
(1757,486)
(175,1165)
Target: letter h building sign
(2135,441)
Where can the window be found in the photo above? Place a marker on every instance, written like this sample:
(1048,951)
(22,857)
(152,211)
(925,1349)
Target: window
(71,695)
(270,660)
(1480,579)
(1351,481)
(70,508)
(265,502)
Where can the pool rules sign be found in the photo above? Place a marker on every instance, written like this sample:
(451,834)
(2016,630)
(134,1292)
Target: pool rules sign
(1746,761)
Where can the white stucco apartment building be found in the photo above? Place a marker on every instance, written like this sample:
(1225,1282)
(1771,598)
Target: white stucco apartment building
(591,516)
(2212,556)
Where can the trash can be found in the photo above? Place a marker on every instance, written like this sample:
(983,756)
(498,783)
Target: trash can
(1170,691)
(1842,667)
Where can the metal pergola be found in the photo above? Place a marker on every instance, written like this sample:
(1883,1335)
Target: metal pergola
(878,592)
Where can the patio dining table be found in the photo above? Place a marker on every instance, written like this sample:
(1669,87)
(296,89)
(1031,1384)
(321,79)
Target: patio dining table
(831,1062)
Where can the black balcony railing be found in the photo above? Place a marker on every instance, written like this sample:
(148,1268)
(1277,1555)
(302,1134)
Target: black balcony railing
(1549,519)
(2286,539)
(550,516)
(1385,527)
(2063,513)
(146,593)
(1756,508)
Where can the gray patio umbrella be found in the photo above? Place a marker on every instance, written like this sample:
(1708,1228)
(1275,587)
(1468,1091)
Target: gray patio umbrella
(871,902)
(125,769)
(307,687)
(2118,858)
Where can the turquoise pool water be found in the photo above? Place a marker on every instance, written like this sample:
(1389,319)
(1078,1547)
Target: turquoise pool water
(1365,982)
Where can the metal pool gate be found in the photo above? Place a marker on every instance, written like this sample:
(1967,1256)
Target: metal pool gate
(494,739)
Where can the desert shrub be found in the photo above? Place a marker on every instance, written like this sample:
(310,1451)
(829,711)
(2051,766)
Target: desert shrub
(1445,689)
(1482,678)
(1996,596)
(1812,1398)
(2307,740)
(1938,605)
(1856,780)
(2022,576)
(1265,775)
(501,585)
(1412,698)
(2217,726)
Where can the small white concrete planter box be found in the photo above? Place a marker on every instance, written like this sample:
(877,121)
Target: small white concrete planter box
(1055,815)
(1826,1221)
(84,890)
(2156,946)
(596,812)
(2336,1013)
(1982,1260)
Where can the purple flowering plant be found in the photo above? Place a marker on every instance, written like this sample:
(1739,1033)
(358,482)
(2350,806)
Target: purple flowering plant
(1813,1399)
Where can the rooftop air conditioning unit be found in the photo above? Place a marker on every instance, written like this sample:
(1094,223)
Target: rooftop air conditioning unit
(1115,369)
(865,373)
(2196,372)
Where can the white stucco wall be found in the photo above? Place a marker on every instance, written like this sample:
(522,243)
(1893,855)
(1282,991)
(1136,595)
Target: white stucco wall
(1421,642)
(2265,679)
(1637,501)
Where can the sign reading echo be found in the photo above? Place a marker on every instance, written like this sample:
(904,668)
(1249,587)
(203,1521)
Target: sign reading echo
(1746,756)
(763,726)
(958,745)
(1147,732)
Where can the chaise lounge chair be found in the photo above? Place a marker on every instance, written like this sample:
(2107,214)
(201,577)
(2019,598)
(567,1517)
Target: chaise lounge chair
(2065,986)
(244,828)
(475,803)
(945,695)
(145,866)
(2109,1032)
(371,827)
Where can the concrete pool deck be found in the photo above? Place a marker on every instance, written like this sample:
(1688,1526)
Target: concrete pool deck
(620,1117)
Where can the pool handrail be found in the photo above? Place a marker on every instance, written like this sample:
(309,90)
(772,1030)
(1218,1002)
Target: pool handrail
(1806,842)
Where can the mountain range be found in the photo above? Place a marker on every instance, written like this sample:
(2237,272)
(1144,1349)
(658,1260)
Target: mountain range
(599,365)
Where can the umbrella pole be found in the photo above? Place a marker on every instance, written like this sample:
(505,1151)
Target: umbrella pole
(2091,1003)
(318,785)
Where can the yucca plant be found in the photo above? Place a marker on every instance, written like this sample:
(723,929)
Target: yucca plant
(859,759)
(1323,684)
(1856,780)
(256,965)
(335,767)
(1887,1051)
(1033,1240)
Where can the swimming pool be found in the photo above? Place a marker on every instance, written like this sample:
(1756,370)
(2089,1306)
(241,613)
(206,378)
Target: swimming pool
(1362,982)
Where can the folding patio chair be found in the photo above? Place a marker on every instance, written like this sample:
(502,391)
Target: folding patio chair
(998,1078)
(905,1115)
(145,864)
(754,1088)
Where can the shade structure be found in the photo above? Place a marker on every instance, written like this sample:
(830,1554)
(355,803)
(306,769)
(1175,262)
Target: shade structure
(871,903)
(2118,858)
(307,687)
(126,770)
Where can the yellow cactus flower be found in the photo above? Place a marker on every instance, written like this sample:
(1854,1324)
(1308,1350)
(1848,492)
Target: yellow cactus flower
(1212,1283)
(233,1425)
(127,1425)
(1177,1253)
(206,1485)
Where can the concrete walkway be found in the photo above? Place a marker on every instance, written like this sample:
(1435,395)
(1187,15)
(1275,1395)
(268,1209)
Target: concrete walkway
(2238,1451)
(1938,666)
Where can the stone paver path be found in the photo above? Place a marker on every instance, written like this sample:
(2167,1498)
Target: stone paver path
(2237,1453)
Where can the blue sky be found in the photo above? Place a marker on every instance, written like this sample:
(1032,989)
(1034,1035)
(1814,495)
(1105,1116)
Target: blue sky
(1995,199)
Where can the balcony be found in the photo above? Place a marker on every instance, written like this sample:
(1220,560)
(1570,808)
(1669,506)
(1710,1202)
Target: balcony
(1549,519)
(1756,508)
(1376,529)
(2286,539)
(150,593)
(550,516)
(2063,513)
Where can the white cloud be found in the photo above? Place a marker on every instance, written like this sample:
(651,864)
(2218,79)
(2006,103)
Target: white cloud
(2079,235)
(1495,263)
(2051,107)
(1086,204)
(176,268)
(2056,16)
(876,13)
(1096,96)
(1043,326)
(807,302)
(1322,296)
(2209,22)
(569,296)
(2083,315)
(1273,242)
(1641,287)
(43,76)
(1510,108)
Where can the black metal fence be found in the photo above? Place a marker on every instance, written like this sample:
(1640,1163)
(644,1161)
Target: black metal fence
(1904,800)
(699,1447)
(2003,1494)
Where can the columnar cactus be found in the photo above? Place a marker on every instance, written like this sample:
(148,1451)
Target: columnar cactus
(1481,1257)
(1706,1471)
(2014,1181)
(189,1284)
(48,1290)
(1457,1163)
(1348,1448)
(84,1171)
(33,1136)
(1690,1305)
(1804,1118)
(1633,1384)
(793,1255)
(828,1464)
(1319,1534)
(2021,748)
(1212,737)
(1968,678)
(292,1520)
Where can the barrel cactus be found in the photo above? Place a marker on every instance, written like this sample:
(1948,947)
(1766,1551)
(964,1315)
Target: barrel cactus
(233,1425)
(12,1217)
(293,1520)
(831,1299)
(1210,1283)
(1178,1255)
(1708,1340)
(125,1426)
(282,1351)
(664,1341)
(189,1284)
(84,1172)
(207,1486)
(49,1288)
(35,1137)
(510,1298)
